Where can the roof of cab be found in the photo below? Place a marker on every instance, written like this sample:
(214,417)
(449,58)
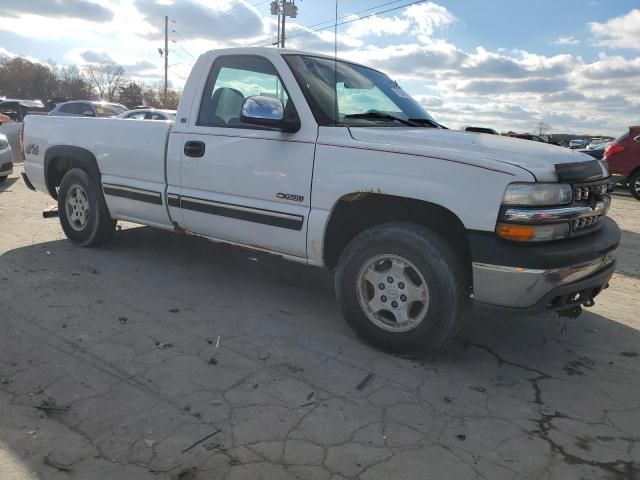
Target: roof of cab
(272,52)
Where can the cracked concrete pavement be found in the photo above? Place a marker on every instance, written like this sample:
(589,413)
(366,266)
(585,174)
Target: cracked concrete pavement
(168,357)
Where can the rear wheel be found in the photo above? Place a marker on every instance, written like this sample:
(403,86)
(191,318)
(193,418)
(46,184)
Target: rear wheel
(402,288)
(83,213)
(634,184)
(3,178)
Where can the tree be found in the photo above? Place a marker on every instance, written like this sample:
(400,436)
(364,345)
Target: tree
(151,97)
(131,95)
(173,98)
(21,78)
(154,96)
(542,128)
(72,85)
(106,79)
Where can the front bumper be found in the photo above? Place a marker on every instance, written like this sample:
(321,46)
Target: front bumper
(556,276)
(6,168)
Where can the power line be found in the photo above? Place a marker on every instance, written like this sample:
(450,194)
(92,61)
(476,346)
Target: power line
(354,13)
(345,22)
(334,24)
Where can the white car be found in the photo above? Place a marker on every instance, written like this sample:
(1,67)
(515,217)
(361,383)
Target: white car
(6,158)
(149,114)
(577,143)
(333,164)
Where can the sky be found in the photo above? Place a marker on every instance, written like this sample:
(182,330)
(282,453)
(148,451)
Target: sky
(504,64)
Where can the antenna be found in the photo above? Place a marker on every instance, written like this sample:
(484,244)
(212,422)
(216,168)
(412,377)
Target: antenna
(335,67)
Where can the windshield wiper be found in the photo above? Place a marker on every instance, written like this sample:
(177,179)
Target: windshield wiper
(382,116)
(427,121)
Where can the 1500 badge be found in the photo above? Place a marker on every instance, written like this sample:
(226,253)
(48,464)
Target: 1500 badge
(32,149)
(290,196)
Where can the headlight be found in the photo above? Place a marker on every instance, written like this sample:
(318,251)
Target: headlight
(537,194)
(3,144)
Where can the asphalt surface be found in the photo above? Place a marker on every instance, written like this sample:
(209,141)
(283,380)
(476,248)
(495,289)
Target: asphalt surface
(162,356)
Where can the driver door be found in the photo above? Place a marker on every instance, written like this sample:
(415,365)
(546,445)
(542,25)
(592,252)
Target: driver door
(242,183)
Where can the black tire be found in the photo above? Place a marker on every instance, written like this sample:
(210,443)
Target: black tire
(443,270)
(3,178)
(634,184)
(98,228)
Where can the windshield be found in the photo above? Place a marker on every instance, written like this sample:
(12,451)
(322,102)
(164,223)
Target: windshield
(363,96)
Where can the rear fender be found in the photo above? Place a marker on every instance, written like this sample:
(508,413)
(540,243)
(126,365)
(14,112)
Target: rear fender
(71,157)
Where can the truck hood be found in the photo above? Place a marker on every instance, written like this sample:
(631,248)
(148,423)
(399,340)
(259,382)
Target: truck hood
(477,148)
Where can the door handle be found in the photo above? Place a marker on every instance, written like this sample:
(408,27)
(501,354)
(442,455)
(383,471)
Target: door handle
(194,149)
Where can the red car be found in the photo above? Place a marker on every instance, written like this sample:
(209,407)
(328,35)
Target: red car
(623,157)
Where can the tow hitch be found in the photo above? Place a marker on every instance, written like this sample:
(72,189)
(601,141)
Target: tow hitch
(573,312)
(50,212)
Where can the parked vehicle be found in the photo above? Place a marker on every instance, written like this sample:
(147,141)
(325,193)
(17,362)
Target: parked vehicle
(6,158)
(595,152)
(16,111)
(529,136)
(149,114)
(623,157)
(596,141)
(81,108)
(489,131)
(577,143)
(332,164)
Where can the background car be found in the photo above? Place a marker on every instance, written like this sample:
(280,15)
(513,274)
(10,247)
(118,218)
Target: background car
(596,151)
(82,108)
(529,136)
(15,111)
(623,157)
(149,114)
(6,158)
(577,143)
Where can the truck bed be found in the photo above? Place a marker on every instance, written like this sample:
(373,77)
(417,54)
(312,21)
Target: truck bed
(135,148)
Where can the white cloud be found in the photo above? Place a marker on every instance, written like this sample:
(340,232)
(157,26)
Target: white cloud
(378,26)
(619,32)
(566,41)
(428,17)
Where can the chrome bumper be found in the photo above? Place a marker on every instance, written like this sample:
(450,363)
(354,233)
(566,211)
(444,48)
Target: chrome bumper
(515,287)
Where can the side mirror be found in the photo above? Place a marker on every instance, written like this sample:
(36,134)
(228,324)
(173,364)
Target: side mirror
(88,113)
(267,112)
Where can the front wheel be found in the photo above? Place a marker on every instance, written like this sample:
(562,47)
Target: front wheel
(634,184)
(402,288)
(83,213)
(3,178)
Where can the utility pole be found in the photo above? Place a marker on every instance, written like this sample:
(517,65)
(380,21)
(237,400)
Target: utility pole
(166,57)
(283,9)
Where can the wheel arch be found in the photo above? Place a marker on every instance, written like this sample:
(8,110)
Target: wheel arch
(59,159)
(355,212)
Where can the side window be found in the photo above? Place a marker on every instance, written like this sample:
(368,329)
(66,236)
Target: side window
(11,112)
(75,108)
(232,80)
(137,116)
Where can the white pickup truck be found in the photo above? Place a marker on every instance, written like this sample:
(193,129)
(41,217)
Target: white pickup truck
(332,164)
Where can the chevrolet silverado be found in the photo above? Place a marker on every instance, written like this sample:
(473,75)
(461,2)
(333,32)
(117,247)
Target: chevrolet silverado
(333,164)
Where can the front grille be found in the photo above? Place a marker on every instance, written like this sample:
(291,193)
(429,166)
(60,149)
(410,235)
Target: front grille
(585,223)
(5,166)
(584,192)
(590,194)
